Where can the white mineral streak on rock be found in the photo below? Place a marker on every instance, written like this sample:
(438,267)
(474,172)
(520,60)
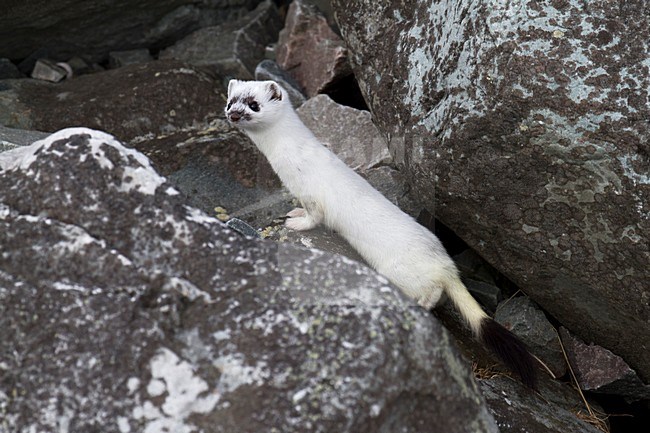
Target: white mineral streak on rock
(138,173)
(185,394)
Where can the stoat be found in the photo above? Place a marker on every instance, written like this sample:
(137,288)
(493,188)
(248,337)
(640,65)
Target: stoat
(392,242)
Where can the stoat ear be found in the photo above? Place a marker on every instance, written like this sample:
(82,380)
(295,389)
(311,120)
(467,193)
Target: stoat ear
(231,83)
(275,91)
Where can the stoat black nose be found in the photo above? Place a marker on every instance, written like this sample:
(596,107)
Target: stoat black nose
(234,116)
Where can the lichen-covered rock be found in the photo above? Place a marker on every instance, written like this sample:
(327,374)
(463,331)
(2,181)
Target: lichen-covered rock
(123,309)
(522,127)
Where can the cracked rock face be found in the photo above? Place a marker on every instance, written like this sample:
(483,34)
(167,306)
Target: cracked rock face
(530,121)
(123,309)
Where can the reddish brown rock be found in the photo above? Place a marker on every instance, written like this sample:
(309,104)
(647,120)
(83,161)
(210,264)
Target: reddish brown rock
(311,51)
(599,370)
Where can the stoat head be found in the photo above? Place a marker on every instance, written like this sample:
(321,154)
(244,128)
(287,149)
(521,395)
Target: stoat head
(255,104)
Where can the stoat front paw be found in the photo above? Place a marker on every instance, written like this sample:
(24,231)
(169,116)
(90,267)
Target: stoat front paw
(297,212)
(300,223)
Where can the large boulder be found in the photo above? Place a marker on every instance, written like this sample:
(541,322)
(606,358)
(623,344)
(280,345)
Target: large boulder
(124,309)
(525,130)
(93,28)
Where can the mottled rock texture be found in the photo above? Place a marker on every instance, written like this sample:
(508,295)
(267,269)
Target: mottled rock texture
(517,410)
(93,27)
(523,126)
(123,309)
(235,48)
(599,370)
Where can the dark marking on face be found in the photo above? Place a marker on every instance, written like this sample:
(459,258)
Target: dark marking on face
(252,103)
(234,100)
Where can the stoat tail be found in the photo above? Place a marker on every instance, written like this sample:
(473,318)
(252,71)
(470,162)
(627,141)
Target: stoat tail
(503,343)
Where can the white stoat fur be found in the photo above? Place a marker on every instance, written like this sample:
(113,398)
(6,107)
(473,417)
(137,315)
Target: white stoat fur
(392,242)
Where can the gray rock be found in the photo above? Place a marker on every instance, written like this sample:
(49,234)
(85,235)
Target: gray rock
(488,295)
(136,312)
(47,70)
(80,66)
(526,320)
(502,118)
(8,70)
(346,131)
(392,184)
(269,70)
(94,27)
(117,59)
(234,48)
(11,138)
(242,228)
(518,410)
(15,112)
(310,51)
(473,266)
(599,370)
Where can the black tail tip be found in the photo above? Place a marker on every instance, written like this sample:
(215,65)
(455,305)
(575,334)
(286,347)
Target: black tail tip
(510,350)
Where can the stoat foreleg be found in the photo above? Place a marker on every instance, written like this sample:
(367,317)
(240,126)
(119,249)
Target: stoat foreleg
(301,220)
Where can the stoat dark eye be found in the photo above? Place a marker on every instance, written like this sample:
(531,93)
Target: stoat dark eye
(229,105)
(254,106)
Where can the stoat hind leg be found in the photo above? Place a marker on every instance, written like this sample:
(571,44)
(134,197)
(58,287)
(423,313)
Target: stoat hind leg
(300,220)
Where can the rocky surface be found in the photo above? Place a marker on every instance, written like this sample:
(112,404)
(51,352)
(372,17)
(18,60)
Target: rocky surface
(139,100)
(332,124)
(526,320)
(234,49)
(270,70)
(155,306)
(309,50)
(11,138)
(124,309)
(516,410)
(520,127)
(94,28)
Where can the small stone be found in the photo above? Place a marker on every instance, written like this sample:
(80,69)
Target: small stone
(346,131)
(599,370)
(47,70)
(9,70)
(526,320)
(79,66)
(117,59)
(310,50)
(269,70)
(243,228)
